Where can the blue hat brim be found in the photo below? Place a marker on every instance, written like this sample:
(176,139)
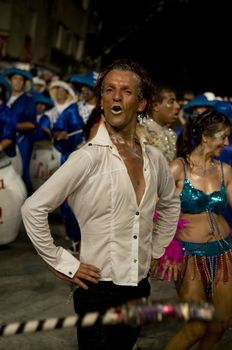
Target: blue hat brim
(78,79)
(197,103)
(83,80)
(40,98)
(224,108)
(12,71)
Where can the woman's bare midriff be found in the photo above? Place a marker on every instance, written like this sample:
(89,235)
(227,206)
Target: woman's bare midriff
(198,229)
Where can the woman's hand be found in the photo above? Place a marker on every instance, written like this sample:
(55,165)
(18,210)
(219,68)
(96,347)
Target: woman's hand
(165,271)
(170,271)
(154,267)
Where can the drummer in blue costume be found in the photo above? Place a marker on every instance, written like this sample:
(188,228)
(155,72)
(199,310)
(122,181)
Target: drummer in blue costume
(68,136)
(23,107)
(226,154)
(86,98)
(43,122)
(7,125)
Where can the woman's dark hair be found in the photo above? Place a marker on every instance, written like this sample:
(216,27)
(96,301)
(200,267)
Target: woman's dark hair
(207,123)
(146,86)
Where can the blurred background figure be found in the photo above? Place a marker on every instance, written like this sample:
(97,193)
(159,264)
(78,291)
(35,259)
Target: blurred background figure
(43,123)
(39,85)
(45,159)
(68,131)
(159,124)
(84,87)
(7,125)
(198,105)
(226,155)
(24,112)
(12,188)
(63,96)
(77,81)
(183,99)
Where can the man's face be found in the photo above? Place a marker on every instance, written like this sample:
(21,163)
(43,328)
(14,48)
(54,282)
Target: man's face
(120,101)
(86,93)
(40,108)
(166,112)
(17,83)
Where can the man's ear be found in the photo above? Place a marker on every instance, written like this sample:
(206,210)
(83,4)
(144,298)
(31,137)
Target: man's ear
(156,106)
(142,105)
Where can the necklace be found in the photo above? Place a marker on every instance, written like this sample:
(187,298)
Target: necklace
(199,169)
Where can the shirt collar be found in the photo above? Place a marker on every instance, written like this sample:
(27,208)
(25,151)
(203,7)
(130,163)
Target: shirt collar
(102,137)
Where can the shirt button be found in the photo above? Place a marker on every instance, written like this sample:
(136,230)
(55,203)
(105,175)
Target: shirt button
(90,144)
(135,237)
(137,213)
(70,273)
(135,260)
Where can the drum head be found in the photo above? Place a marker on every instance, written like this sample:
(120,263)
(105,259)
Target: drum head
(12,197)
(44,162)
(17,162)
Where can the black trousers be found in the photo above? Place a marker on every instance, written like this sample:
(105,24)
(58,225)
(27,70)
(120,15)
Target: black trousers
(100,297)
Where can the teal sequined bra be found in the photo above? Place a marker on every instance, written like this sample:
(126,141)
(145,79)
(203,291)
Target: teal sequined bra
(195,201)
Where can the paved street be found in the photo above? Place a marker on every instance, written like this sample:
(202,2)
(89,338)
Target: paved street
(28,291)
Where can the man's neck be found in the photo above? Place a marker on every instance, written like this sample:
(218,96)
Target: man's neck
(159,121)
(120,137)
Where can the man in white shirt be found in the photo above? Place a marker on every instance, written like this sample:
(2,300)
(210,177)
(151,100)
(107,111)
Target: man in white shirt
(112,184)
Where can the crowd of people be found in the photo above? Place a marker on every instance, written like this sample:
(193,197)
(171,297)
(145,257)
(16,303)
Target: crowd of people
(49,116)
(144,188)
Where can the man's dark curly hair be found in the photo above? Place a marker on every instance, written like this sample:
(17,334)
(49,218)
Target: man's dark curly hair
(146,86)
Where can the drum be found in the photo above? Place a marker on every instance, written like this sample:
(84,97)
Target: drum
(12,197)
(17,162)
(45,160)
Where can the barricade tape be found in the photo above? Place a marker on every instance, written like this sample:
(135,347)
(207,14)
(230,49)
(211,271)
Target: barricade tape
(133,313)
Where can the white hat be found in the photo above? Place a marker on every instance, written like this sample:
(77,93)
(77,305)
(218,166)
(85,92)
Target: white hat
(210,95)
(59,83)
(40,82)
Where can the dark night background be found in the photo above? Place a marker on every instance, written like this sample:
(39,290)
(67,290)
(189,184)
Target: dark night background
(185,43)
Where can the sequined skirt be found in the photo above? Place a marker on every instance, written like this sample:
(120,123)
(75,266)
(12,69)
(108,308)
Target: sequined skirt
(211,261)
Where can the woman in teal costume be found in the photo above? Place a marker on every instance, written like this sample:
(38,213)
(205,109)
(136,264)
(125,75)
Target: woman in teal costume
(205,271)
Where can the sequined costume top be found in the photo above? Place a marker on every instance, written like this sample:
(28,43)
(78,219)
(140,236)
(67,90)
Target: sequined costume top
(163,137)
(195,201)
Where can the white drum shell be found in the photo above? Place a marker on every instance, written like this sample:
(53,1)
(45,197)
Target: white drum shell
(45,160)
(12,197)
(17,162)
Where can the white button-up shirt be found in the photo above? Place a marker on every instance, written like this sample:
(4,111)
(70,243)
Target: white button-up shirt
(117,235)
